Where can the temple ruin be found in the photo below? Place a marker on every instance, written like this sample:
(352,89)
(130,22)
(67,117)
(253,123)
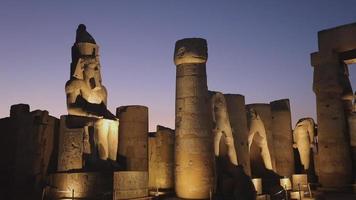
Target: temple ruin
(220,147)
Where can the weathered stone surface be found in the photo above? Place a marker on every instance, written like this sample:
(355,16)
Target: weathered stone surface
(70,148)
(260,137)
(133,138)
(237,115)
(161,158)
(194,157)
(86,96)
(332,87)
(224,144)
(27,151)
(85,185)
(282,137)
(130,184)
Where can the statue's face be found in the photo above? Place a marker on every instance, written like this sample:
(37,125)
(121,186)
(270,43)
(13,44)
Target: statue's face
(91,73)
(252,113)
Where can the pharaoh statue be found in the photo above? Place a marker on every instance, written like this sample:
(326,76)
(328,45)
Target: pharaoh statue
(222,129)
(86,96)
(303,136)
(257,134)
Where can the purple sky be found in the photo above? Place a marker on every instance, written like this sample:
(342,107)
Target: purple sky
(260,49)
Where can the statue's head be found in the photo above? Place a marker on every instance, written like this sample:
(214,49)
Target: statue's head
(252,114)
(88,69)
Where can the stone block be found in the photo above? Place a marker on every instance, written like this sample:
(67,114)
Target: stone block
(85,185)
(300,182)
(70,151)
(130,184)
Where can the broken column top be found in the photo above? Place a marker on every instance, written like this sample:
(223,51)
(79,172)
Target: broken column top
(190,50)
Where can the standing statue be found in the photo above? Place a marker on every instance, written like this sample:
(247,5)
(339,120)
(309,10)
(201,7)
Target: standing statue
(257,133)
(222,128)
(86,96)
(303,136)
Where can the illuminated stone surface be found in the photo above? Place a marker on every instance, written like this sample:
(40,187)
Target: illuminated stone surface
(130,184)
(161,158)
(285,183)
(194,156)
(303,136)
(257,182)
(85,185)
(26,151)
(133,138)
(300,182)
(258,134)
(223,138)
(332,89)
(282,137)
(86,96)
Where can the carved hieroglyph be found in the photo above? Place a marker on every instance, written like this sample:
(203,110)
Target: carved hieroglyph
(257,133)
(86,96)
(303,136)
(223,138)
(194,156)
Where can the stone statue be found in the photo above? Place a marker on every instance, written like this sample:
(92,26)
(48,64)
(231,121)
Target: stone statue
(86,96)
(257,133)
(303,136)
(221,128)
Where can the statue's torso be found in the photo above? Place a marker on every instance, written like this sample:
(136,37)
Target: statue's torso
(94,96)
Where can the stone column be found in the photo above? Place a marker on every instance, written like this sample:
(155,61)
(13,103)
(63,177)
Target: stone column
(333,161)
(238,121)
(264,110)
(161,159)
(133,137)
(282,137)
(194,157)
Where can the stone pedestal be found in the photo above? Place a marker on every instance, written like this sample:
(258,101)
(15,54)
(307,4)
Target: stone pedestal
(194,158)
(282,137)
(161,159)
(133,137)
(237,115)
(285,183)
(300,182)
(130,185)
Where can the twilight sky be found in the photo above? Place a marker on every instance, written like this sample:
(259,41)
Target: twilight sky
(260,49)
